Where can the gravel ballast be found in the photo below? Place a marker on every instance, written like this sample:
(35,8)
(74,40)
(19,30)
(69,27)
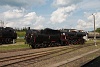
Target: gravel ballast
(65,57)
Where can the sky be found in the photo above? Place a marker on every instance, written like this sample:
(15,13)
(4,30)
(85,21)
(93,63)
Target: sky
(55,14)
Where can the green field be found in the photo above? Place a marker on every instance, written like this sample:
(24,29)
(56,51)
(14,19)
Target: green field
(19,45)
(20,40)
(20,33)
(20,36)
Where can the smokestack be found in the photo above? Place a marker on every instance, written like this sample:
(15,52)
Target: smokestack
(28,28)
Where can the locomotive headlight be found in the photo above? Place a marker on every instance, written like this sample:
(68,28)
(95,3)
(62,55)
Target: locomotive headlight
(63,33)
(31,36)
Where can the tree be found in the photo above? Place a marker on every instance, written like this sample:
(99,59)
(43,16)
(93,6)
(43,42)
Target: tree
(98,30)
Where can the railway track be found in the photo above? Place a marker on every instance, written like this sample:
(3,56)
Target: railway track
(16,60)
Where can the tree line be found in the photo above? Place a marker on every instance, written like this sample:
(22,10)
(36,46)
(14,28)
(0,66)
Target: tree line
(21,29)
(25,28)
(98,30)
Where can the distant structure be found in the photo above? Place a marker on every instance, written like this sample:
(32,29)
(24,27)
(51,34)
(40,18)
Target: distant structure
(91,35)
(1,23)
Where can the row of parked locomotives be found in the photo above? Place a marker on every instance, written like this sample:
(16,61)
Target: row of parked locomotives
(7,35)
(49,37)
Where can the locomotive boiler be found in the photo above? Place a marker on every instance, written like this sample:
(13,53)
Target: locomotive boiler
(69,36)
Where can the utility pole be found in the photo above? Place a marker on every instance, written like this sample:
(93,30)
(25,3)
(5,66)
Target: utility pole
(94,30)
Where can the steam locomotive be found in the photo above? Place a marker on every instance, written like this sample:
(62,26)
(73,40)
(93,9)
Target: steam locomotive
(7,35)
(49,37)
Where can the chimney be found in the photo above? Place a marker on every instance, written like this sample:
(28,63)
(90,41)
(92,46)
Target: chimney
(28,28)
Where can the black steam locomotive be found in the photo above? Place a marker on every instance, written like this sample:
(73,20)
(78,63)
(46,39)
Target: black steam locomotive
(7,35)
(49,37)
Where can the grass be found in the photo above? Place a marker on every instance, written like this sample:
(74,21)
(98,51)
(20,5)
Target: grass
(20,33)
(92,41)
(20,40)
(19,45)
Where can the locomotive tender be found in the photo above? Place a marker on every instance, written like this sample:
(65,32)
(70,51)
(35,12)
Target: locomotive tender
(7,35)
(49,37)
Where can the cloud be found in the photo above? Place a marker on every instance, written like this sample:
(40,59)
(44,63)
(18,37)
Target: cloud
(89,5)
(89,23)
(39,27)
(82,25)
(22,13)
(61,14)
(10,14)
(32,19)
(21,3)
(18,18)
(60,3)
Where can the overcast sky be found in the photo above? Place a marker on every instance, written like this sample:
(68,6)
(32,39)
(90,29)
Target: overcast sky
(55,14)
